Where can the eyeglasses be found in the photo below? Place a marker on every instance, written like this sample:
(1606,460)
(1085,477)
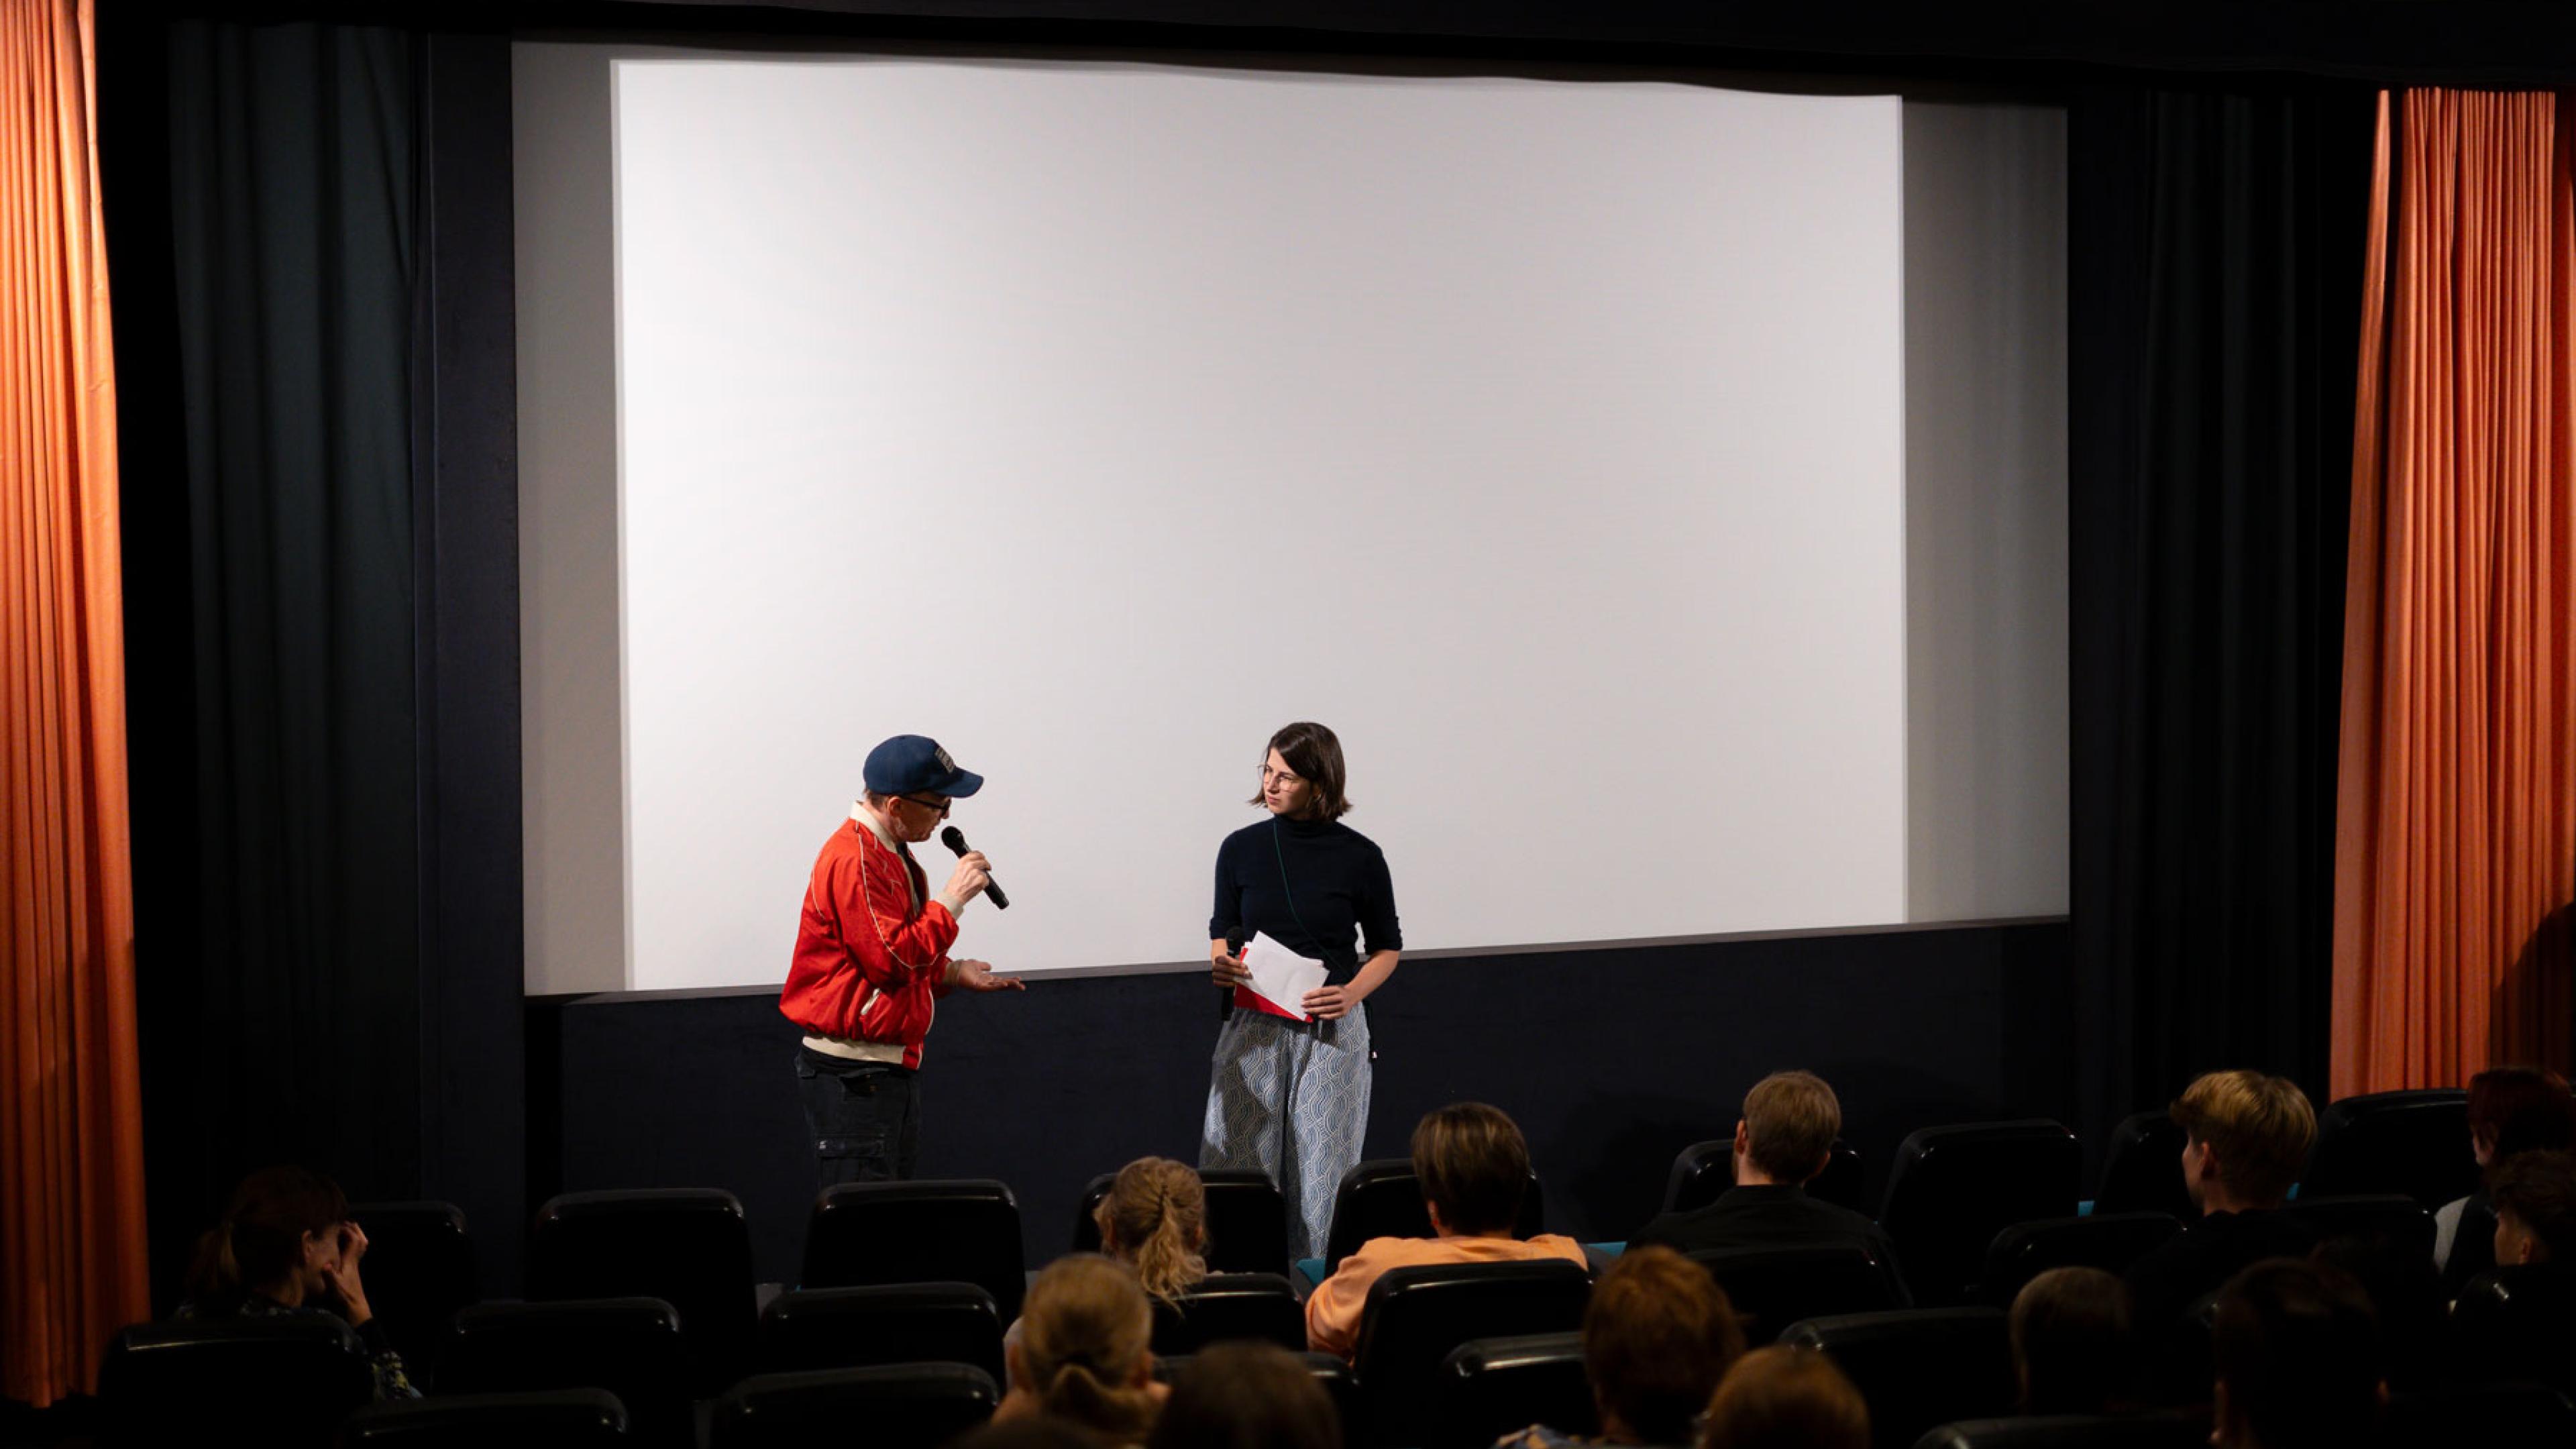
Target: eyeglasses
(935,807)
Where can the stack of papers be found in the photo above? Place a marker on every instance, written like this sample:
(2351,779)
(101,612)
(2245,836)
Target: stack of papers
(1281,976)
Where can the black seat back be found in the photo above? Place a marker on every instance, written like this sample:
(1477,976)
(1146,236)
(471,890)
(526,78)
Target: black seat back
(1954,1188)
(1705,1169)
(1772,1288)
(1918,1368)
(1247,1220)
(420,1269)
(2415,1144)
(891,1406)
(284,1381)
(1490,1387)
(1381,1198)
(2518,1323)
(2388,1219)
(630,1347)
(806,1329)
(2480,1414)
(1415,1316)
(2108,1241)
(2072,1431)
(687,1246)
(2142,1169)
(1226,1306)
(963,1230)
(561,1419)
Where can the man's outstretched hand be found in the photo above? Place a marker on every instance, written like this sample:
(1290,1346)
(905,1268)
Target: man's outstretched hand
(978,976)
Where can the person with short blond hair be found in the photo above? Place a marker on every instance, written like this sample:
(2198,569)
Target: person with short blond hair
(2246,1139)
(1474,1165)
(1785,1137)
(1785,1398)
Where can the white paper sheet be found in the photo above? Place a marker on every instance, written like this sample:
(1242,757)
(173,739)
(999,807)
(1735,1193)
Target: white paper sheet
(1281,976)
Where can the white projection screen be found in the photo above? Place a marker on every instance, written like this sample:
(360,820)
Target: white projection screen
(1546,440)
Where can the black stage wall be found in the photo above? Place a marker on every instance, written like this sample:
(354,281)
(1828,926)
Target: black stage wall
(1612,1060)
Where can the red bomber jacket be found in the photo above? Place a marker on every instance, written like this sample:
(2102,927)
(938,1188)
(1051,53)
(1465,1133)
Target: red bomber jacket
(868,966)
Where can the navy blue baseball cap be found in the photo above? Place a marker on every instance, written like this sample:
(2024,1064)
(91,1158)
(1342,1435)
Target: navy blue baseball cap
(916,765)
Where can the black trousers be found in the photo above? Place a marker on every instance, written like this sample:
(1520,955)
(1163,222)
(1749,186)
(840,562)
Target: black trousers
(864,1118)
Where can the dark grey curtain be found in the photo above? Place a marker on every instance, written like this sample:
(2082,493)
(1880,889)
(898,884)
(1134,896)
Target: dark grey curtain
(280,957)
(2216,244)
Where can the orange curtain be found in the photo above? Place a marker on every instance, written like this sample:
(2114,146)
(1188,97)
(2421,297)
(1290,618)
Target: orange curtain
(2456,806)
(72,1264)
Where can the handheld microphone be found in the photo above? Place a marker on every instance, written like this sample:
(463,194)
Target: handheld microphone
(955,839)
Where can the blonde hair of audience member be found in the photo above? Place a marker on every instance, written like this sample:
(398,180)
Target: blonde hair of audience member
(1787,1132)
(2246,1139)
(1155,1221)
(1785,1398)
(2070,1342)
(1247,1394)
(1084,1353)
(1474,1167)
(1657,1336)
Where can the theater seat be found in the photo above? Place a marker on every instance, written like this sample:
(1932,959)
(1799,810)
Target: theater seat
(687,1246)
(2072,1431)
(1381,1198)
(2480,1414)
(1416,1315)
(1918,1368)
(2394,1220)
(564,1419)
(893,1406)
(805,1329)
(1954,1188)
(2142,1169)
(2411,1143)
(1490,1387)
(2518,1323)
(1705,1169)
(1772,1288)
(1227,1306)
(2108,1241)
(281,1381)
(420,1269)
(964,1230)
(630,1347)
(1247,1220)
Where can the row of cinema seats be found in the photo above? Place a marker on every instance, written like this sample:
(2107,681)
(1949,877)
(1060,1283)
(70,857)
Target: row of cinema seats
(1975,1209)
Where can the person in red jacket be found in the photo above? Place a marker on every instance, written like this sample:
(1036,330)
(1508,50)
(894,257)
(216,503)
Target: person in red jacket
(872,962)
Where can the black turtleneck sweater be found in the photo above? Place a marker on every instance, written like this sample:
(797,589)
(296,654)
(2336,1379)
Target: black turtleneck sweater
(1310,885)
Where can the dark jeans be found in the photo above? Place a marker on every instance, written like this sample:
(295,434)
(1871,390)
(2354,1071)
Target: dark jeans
(864,1118)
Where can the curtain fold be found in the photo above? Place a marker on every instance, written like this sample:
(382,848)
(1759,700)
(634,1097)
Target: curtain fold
(71,1157)
(2456,814)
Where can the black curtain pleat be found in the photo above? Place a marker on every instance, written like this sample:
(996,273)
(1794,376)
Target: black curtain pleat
(2215,250)
(278,936)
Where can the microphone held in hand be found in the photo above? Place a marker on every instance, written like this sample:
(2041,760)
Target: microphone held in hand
(955,839)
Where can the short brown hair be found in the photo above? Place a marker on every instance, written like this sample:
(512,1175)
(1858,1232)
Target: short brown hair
(1657,1336)
(1315,753)
(2261,1127)
(2538,1189)
(2521,1109)
(2296,1345)
(2070,1341)
(1790,1122)
(1474,1166)
(1246,1394)
(1785,1398)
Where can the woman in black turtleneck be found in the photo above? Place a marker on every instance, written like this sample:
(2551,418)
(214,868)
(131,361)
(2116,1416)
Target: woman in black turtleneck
(1291,1097)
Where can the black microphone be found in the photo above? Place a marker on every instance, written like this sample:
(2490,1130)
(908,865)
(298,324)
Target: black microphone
(955,839)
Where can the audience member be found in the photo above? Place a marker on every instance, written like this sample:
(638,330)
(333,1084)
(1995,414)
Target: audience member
(1657,1336)
(1247,1395)
(1785,1137)
(2406,1297)
(2296,1350)
(1155,1221)
(2246,1140)
(2511,1110)
(1474,1167)
(286,1249)
(1032,1432)
(2072,1352)
(2535,1208)
(1785,1398)
(1084,1351)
